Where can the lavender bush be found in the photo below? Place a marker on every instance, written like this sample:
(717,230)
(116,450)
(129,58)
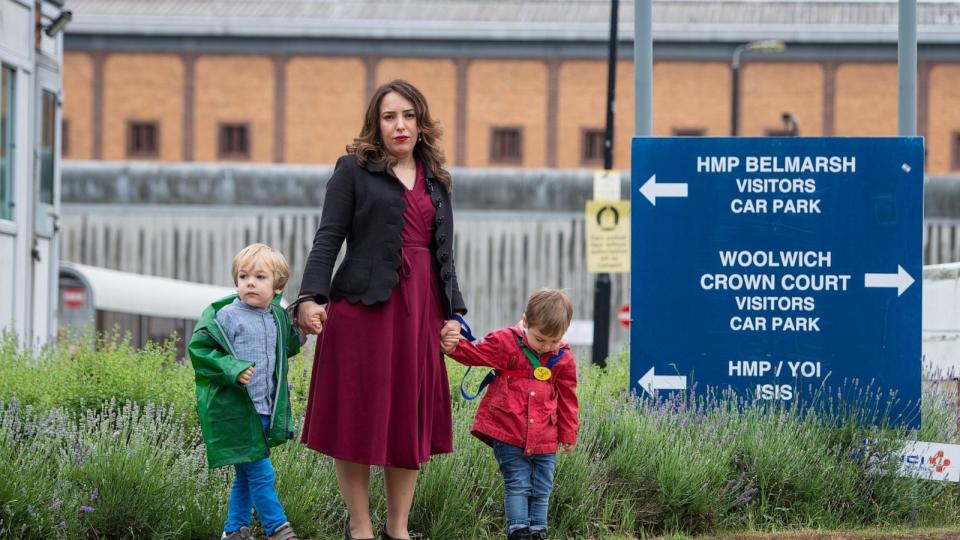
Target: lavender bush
(105,444)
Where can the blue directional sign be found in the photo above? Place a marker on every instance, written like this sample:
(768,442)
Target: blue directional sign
(784,268)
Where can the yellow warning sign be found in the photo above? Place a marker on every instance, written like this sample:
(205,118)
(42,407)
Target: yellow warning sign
(608,236)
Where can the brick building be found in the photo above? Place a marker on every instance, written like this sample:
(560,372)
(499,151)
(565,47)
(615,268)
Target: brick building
(514,83)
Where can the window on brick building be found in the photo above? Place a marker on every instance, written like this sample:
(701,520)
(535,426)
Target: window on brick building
(506,145)
(234,141)
(65,137)
(591,148)
(689,131)
(143,138)
(955,150)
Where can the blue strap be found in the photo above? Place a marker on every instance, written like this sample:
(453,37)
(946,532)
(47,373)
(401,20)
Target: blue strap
(464,327)
(556,358)
(483,384)
(468,334)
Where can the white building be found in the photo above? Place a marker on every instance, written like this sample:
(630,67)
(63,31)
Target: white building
(31,56)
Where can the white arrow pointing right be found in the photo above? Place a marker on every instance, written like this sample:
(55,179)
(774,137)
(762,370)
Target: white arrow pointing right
(651,190)
(651,382)
(900,281)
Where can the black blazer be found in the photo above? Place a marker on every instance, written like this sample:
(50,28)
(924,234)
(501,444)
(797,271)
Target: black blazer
(365,205)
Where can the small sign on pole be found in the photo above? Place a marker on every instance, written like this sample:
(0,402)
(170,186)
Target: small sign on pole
(74,297)
(623,315)
(606,185)
(608,236)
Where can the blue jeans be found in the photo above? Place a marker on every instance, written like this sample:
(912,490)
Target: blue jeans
(253,488)
(527,483)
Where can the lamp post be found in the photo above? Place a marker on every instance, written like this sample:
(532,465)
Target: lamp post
(602,284)
(764,46)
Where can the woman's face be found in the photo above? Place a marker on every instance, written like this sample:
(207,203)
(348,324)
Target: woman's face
(398,125)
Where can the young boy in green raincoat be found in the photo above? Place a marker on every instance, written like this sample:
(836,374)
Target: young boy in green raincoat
(239,352)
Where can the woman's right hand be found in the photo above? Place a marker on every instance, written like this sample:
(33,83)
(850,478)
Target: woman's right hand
(311,317)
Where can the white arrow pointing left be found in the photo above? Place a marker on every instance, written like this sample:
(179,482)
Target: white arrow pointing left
(900,281)
(651,190)
(651,382)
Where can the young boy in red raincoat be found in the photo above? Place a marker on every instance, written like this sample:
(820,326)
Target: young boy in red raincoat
(531,406)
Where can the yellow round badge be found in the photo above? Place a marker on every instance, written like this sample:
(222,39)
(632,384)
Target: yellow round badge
(542,373)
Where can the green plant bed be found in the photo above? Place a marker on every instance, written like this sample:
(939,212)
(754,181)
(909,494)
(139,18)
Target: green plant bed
(105,444)
(79,377)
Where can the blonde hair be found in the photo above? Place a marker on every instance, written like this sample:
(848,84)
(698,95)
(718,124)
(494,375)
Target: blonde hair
(549,311)
(257,254)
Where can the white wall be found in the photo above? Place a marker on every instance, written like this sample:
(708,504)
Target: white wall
(6,280)
(15,29)
(42,332)
(27,288)
(15,52)
(941,320)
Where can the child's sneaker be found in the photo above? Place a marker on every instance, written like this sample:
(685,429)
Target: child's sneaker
(242,534)
(284,532)
(539,534)
(520,534)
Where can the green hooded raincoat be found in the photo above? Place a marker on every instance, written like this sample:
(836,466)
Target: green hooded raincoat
(230,424)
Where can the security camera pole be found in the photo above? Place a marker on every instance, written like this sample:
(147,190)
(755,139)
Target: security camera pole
(763,46)
(601,290)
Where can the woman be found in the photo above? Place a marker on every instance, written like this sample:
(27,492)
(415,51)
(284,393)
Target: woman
(379,393)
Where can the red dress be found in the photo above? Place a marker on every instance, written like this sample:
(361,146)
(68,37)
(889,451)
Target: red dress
(379,393)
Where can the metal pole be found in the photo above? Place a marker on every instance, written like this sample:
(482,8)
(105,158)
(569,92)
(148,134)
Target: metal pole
(907,68)
(602,284)
(643,67)
(907,108)
(734,100)
(611,86)
(735,88)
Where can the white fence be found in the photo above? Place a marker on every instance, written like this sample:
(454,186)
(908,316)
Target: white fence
(941,321)
(941,241)
(501,256)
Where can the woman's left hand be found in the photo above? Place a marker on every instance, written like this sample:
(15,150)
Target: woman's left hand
(450,334)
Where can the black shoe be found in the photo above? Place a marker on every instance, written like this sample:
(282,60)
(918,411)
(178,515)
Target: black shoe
(347,535)
(539,535)
(384,535)
(520,534)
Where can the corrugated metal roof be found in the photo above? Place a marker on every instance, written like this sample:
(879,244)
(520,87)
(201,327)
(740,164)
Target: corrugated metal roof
(674,20)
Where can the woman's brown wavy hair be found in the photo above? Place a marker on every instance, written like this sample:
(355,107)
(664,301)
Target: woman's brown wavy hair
(369,147)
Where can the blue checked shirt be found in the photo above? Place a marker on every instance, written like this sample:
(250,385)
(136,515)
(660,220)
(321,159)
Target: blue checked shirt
(253,334)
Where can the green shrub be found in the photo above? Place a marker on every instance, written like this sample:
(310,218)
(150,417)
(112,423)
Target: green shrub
(81,377)
(104,444)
